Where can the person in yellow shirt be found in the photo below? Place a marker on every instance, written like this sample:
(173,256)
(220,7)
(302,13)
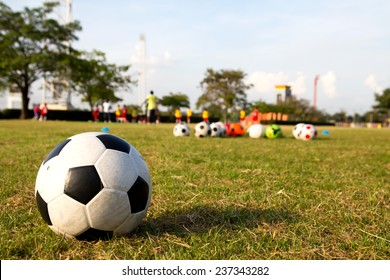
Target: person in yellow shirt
(178,115)
(205,116)
(189,115)
(242,115)
(118,113)
(151,100)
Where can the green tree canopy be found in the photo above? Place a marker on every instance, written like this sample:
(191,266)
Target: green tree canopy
(31,46)
(95,79)
(174,101)
(383,101)
(225,88)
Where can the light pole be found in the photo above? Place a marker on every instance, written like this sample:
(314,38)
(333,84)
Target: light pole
(316,78)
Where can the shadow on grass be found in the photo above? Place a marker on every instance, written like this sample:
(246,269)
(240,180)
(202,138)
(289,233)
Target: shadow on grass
(201,219)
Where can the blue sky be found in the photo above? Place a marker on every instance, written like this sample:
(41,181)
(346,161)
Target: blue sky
(347,43)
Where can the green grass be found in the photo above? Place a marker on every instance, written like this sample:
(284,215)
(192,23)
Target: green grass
(231,198)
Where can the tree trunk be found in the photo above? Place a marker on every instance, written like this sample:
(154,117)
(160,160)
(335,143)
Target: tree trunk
(25,100)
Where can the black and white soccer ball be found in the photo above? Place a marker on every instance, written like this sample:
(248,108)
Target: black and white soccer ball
(92,186)
(181,129)
(202,129)
(222,129)
(215,130)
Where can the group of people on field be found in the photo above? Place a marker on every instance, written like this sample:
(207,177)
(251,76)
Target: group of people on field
(178,115)
(120,112)
(151,112)
(106,108)
(40,112)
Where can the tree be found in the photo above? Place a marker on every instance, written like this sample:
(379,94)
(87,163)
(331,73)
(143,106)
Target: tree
(31,45)
(383,101)
(95,79)
(225,88)
(174,101)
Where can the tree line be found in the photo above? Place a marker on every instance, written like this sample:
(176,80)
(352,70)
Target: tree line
(34,46)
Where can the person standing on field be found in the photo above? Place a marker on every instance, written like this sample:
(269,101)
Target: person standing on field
(44,112)
(242,116)
(118,113)
(134,114)
(124,114)
(95,113)
(255,115)
(106,111)
(36,111)
(205,116)
(189,115)
(151,100)
(178,115)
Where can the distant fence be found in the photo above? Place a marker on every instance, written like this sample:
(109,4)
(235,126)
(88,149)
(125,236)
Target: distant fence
(78,115)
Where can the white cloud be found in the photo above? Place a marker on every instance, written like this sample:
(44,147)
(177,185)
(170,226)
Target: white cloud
(264,82)
(328,84)
(141,56)
(373,84)
(167,56)
(298,86)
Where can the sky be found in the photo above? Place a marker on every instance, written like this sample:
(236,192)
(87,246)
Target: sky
(345,42)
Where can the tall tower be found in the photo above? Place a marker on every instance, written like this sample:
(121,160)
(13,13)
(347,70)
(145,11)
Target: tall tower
(286,89)
(57,90)
(143,69)
(316,78)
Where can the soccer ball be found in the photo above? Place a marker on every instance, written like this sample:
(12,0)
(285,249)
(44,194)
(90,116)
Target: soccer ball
(222,128)
(273,131)
(92,186)
(236,129)
(308,132)
(297,130)
(256,131)
(215,130)
(181,129)
(202,129)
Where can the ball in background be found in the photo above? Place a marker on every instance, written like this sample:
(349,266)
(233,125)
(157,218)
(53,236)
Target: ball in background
(273,131)
(256,131)
(181,129)
(202,129)
(93,185)
(236,129)
(222,128)
(308,132)
(297,130)
(215,130)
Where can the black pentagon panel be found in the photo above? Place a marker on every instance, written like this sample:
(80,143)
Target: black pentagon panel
(114,143)
(56,151)
(42,207)
(83,183)
(138,195)
(95,234)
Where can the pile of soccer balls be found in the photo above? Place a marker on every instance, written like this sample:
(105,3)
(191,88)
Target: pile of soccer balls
(204,129)
(218,129)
